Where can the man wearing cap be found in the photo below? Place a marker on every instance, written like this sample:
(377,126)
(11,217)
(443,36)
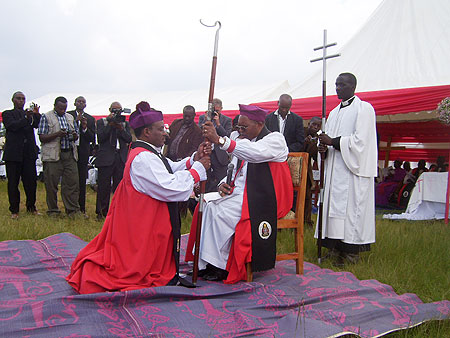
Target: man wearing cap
(138,246)
(239,225)
(113,137)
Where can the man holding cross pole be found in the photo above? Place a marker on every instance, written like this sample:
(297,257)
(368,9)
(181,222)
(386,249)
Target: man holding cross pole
(350,144)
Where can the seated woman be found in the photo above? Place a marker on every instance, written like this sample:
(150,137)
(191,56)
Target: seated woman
(384,190)
(404,193)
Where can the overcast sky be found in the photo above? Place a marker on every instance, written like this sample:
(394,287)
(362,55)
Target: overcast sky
(98,46)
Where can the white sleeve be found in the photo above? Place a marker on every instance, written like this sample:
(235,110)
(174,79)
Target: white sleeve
(359,150)
(150,176)
(178,165)
(271,148)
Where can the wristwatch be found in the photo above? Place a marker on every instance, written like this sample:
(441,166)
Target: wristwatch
(221,141)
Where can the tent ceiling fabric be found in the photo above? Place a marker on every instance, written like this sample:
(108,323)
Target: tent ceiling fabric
(415,102)
(417,132)
(404,44)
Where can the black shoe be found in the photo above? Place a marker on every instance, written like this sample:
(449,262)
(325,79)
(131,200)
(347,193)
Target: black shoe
(54,213)
(217,275)
(346,258)
(332,254)
(202,272)
(339,262)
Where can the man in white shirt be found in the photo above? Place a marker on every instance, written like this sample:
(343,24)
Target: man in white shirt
(287,123)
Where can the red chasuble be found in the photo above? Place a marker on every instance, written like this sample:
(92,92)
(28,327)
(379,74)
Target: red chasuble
(135,247)
(241,248)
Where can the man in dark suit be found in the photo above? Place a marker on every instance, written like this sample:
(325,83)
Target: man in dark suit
(113,136)
(287,123)
(185,136)
(20,153)
(86,126)
(219,158)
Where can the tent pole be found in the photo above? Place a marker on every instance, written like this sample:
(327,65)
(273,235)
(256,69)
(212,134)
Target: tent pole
(388,152)
(447,196)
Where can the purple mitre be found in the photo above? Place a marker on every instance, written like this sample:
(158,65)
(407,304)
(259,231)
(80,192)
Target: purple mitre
(144,115)
(254,113)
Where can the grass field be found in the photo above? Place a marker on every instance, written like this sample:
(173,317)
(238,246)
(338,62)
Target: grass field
(412,257)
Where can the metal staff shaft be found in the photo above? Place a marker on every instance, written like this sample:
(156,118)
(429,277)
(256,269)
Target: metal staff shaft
(324,120)
(203,183)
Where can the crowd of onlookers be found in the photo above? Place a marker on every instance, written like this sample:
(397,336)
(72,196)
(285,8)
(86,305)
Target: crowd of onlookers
(394,184)
(76,150)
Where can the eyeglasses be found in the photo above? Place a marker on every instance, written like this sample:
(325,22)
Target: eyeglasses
(241,128)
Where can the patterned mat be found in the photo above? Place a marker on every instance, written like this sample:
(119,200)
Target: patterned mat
(36,301)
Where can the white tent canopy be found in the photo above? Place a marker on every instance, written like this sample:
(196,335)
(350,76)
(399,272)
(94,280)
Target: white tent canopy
(404,44)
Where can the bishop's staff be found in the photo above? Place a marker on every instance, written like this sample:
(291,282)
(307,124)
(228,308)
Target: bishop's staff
(203,183)
(324,119)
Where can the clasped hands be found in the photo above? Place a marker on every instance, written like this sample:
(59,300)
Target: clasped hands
(83,121)
(325,141)
(65,132)
(33,110)
(205,148)
(209,131)
(203,154)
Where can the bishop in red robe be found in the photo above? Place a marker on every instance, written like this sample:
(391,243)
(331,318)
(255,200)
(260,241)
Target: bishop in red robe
(138,246)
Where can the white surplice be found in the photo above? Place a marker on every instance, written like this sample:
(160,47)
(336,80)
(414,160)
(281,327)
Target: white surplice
(221,216)
(349,193)
(150,176)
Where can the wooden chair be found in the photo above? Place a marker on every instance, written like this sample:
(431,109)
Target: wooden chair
(298,165)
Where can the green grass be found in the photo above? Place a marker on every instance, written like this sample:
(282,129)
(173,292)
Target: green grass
(412,257)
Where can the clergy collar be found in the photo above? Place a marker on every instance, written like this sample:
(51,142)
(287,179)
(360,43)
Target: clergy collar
(158,149)
(278,114)
(348,102)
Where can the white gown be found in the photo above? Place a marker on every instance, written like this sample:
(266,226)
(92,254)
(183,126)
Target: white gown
(349,193)
(158,183)
(220,216)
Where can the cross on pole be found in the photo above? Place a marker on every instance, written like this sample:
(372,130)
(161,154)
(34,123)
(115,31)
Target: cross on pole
(324,59)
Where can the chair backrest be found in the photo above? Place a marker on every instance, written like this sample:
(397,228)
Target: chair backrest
(298,165)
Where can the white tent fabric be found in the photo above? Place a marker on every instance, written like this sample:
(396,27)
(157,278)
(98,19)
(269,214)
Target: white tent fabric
(169,102)
(404,44)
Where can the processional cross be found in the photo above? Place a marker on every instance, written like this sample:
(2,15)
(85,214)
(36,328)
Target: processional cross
(324,59)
